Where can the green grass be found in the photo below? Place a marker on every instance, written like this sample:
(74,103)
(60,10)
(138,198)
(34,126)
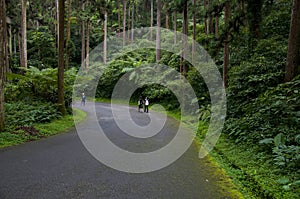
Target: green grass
(252,171)
(14,137)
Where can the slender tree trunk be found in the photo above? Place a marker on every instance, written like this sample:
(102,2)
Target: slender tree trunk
(217,27)
(23,34)
(105,37)
(68,35)
(61,21)
(184,39)
(293,55)
(158,31)
(132,22)
(205,20)
(226,47)
(175,27)
(194,30)
(119,19)
(15,44)
(128,22)
(167,20)
(87,45)
(209,20)
(151,21)
(82,41)
(2,61)
(56,24)
(10,41)
(124,22)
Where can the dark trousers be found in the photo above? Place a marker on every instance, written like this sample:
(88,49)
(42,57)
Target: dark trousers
(146,109)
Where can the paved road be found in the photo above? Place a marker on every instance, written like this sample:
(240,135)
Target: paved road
(61,167)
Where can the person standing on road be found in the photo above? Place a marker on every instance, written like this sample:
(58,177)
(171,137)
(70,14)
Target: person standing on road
(146,108)
(140,104)
(83,99)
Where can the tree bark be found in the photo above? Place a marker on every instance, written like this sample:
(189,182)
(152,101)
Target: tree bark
(61,100)
(226,47)
(175,27)
(151,21)
(217,27)
(167,20)
(68,35)
(184,39)
(105,37)
(124,22)
(293,54)
(194,30)
(205,19)
(128,22)
(87,45)
(132,22)
(158,31)
(23,58)
(82,41)
(119,19)
(2,60)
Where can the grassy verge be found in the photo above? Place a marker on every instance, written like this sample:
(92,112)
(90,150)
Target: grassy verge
(251,173)
(250,169)
(15,136)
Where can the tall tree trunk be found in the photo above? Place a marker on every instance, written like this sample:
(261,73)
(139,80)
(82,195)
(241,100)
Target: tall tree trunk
(175,27)
(82,40)
(293,55)
(68,35)
(23,58)
(119,19)
(206,18)
(217,27)
(124,22)
(2,61)
(61,25)
(226,46)
(158,31)
(194,29)
(132,22)
(56,24)
(15,44)
(209,20)
(128,21)
(151,21)
(184,39)
(87,45)
(167,20)
(105,37)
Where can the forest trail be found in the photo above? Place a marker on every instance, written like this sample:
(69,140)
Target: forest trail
(61,167)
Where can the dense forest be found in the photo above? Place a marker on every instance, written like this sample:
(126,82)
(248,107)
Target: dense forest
(254,43)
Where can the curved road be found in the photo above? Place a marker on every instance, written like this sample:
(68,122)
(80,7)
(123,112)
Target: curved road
(61,167)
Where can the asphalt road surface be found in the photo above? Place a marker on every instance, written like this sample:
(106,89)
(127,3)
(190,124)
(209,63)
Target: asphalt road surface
(61,167)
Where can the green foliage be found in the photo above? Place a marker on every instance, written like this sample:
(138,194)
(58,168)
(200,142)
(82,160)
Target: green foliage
(265,69)
(38,85)
(18,135)
(273,119)
(41,48)
(20,113)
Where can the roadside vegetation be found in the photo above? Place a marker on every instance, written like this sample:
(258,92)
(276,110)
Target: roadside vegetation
(254,43)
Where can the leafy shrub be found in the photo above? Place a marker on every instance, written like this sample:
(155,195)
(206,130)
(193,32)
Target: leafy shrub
(21,113)
(265,69)
(273,119)
(38,85)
